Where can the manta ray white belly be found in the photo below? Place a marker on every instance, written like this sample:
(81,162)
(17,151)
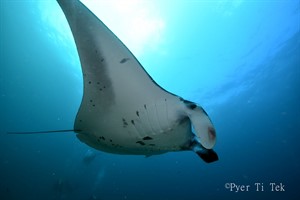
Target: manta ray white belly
(123,110)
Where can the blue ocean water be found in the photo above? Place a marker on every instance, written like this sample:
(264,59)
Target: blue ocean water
(239,59)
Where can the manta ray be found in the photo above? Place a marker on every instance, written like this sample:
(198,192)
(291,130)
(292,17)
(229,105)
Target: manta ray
(123,110)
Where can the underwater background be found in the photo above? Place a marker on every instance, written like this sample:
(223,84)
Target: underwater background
(239,59)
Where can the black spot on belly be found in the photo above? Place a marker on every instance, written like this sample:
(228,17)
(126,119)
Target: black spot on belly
(137,113)
(101,138)
(140,142)
(90,82)
(132,121)
(145,106)
(124,123)
(147,138)
(102,59)
(124,60)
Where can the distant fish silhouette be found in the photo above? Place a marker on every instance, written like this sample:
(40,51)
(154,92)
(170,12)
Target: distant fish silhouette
(89,157)
(62,187)
(93,197)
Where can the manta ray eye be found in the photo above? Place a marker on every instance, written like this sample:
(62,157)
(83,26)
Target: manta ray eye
(192,106)
(189,104)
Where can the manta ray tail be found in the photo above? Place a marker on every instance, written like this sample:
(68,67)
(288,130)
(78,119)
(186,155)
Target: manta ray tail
(37,132)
